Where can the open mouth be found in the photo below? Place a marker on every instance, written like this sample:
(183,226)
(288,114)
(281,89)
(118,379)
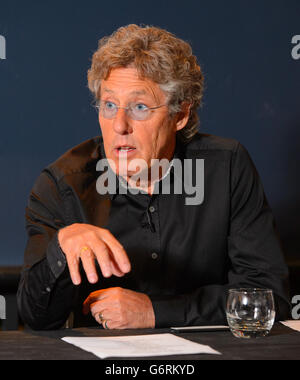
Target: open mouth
(125,149)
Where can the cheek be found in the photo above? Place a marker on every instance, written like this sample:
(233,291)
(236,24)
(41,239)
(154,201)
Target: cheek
(156,139)
(104,125)
(161,137)
(148,141)
(107,131)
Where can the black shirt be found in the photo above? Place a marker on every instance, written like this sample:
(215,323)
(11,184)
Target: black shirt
(184,257)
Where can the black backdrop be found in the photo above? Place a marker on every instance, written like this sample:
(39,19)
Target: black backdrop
(252,90)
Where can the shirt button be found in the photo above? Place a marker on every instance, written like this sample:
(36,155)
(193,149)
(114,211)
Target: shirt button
(59,263)
(48,289)
(151,208)
(154,255)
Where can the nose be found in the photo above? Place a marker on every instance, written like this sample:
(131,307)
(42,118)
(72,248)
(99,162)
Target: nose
(120,123)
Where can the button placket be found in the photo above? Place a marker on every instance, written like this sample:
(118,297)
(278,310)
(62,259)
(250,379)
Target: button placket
(155,238)
(154,255)
(152,209)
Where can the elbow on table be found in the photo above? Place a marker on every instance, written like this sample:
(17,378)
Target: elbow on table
(34,318)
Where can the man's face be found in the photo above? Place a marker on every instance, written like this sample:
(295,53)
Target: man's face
(128,139)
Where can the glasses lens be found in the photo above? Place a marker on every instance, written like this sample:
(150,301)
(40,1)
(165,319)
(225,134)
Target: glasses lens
(108,110)
(138,111)
(135,111)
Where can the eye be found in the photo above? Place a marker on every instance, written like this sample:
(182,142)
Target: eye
(109,105)
(140,107)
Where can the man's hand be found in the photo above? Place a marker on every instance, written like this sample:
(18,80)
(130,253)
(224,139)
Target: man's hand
(86,243)
(118,308)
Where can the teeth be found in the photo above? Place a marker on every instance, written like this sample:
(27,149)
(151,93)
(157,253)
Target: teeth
(125,148)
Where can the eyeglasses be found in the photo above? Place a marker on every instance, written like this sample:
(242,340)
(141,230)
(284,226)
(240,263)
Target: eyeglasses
(136,111)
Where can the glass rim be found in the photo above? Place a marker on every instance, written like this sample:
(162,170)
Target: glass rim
(250,290)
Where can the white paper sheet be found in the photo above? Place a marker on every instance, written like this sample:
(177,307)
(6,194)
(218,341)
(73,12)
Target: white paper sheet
(139,346)
(295,325)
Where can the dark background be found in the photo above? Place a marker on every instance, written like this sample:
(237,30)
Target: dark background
(252,90)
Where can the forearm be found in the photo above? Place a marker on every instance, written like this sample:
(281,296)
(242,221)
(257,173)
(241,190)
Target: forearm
(206,305)
(46,293)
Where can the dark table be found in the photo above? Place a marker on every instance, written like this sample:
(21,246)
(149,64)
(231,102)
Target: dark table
(283,343)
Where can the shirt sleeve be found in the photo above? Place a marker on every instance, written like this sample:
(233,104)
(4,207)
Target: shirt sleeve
(41,302)
(254,253)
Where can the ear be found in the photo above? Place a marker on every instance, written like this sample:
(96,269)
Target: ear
(183,116)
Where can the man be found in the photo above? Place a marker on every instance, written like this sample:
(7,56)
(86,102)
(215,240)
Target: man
(147,259)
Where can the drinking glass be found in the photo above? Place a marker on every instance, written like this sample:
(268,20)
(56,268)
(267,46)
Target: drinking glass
(250,312)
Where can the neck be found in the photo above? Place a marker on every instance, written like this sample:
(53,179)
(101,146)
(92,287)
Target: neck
(146,180)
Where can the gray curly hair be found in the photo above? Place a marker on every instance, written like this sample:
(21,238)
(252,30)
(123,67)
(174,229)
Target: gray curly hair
(157,55)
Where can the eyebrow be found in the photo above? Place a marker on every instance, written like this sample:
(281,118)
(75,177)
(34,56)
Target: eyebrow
(138,92)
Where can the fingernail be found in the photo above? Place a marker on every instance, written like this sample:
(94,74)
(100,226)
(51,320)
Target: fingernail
(106,273)
(126,267)
(76,281)
(92,278)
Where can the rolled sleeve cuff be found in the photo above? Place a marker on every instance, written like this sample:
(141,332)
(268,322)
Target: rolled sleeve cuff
(169,310)
(56,258)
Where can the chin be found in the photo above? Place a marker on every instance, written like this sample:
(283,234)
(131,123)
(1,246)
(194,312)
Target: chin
(131,167)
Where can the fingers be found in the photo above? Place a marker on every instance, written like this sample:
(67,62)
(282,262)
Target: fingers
(102,320)
(99,318)
(117,250)
(115,269)
(73,264)
(88,262)
(87,243)
(102,253)
(93,298)
(87,255)
(99,311)
(120,308)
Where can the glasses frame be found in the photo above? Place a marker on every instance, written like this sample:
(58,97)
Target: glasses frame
(127,110)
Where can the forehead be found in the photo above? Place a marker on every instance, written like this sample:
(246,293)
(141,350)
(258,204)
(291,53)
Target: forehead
(127,82)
